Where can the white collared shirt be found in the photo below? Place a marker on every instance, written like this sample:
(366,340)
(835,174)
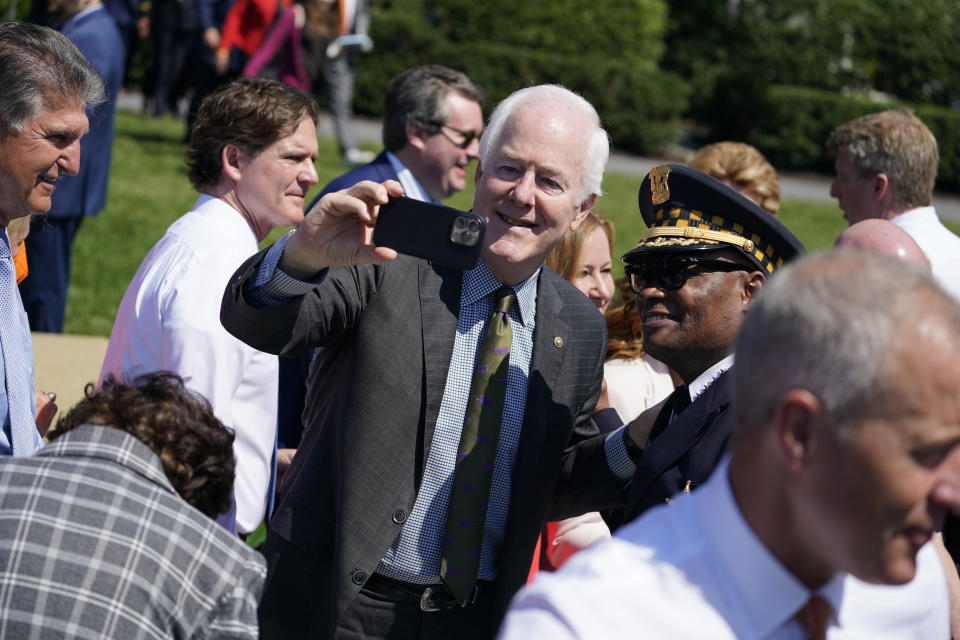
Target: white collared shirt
(169,318)
(695,569)
(699,384)
(941,245)
(411,186)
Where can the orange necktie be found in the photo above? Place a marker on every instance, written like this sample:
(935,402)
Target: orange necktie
(814,616)
(20,262)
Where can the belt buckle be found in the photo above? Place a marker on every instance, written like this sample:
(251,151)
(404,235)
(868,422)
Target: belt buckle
(428,605)
(426,599)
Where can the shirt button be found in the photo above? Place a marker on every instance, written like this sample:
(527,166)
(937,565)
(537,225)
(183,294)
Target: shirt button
(358,577)
(399,516)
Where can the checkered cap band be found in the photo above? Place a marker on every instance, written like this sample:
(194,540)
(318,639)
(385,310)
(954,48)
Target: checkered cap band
(680,227)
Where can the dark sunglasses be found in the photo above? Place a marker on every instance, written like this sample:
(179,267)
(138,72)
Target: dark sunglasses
(672,273)
(466,138)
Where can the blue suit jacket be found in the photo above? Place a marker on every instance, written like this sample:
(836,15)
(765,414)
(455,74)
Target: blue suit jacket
(378,171)
(85,194)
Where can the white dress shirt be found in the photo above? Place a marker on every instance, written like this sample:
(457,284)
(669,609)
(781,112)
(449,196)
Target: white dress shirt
(411,186)
(169,318)
(940,245)
(695,569)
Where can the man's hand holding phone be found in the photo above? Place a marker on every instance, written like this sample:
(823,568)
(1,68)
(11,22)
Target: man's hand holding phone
(338,231)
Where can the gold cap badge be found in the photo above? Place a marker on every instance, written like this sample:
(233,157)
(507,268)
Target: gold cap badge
(659,188)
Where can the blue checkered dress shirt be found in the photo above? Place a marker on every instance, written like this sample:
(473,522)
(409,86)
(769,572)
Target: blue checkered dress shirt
(415,554)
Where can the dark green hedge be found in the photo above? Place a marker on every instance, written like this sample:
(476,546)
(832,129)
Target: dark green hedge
(639,104)
(904,48)
(795,122)
(626,29)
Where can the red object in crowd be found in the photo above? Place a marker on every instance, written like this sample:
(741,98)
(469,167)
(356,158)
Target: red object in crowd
(247,23)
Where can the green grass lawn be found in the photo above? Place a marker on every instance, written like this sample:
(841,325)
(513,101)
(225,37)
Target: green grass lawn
(149,190)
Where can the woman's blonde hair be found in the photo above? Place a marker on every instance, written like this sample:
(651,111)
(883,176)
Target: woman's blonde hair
(744,168)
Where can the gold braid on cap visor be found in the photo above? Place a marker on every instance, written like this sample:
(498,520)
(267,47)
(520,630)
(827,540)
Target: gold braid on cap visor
(680,227)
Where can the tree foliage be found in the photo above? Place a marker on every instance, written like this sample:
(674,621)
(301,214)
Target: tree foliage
(731,51)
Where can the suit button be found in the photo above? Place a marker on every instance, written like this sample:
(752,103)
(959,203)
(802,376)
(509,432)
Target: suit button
(399,516)
(358,577)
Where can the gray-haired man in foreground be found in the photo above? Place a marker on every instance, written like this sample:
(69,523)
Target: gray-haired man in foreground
(844,463)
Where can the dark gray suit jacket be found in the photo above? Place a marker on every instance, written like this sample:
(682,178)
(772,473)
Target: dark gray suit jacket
(385,336)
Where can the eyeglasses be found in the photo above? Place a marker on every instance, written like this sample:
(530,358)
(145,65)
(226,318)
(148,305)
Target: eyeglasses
(672,273)
(466,138)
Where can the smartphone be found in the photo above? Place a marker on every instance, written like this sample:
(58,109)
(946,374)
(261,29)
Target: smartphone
(430,231)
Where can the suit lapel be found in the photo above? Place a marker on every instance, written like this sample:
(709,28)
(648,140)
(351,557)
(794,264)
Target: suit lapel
(440,289)
(545,365)
(678,437)
(383,168)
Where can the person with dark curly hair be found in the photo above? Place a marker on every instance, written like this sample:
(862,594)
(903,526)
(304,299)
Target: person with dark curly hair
(194,448)
(107,531)
(251,157)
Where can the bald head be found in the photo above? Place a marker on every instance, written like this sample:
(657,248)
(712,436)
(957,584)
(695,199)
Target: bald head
(884,237)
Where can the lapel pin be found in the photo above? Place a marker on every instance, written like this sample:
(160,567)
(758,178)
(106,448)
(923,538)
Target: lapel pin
(558,342)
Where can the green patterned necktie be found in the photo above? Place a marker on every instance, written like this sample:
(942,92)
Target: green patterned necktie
(475,455)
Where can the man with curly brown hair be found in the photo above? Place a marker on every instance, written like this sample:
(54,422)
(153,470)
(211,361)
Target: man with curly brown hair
(95,540)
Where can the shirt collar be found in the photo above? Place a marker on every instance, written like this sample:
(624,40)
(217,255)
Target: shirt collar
(767,595)
(233,222)
(480,282)
(411,186)
(108,443)
(705,379)
(918,213)
(6,251)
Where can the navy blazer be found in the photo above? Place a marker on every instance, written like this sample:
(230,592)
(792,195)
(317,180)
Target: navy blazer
(378,170)
(683,454)
(85,194)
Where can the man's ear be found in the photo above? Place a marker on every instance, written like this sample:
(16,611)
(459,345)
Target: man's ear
(795,417)
(416,135)
(582,210)
(751,286)
(231,158)
(881,186)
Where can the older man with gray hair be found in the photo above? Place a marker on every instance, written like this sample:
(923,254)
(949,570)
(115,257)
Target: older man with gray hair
(47,85)
(844,463)
(441,402)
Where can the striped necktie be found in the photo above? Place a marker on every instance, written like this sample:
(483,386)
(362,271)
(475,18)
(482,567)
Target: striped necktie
(473,473)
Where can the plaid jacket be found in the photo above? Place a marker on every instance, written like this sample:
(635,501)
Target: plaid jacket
(95,543)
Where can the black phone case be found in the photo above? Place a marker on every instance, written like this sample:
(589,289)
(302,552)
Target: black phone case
(422,229)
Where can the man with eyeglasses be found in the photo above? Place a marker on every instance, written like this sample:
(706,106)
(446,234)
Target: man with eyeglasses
(707,252)
(432,123)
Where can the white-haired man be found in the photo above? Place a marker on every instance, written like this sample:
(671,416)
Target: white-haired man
(844,463)
(360,545)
